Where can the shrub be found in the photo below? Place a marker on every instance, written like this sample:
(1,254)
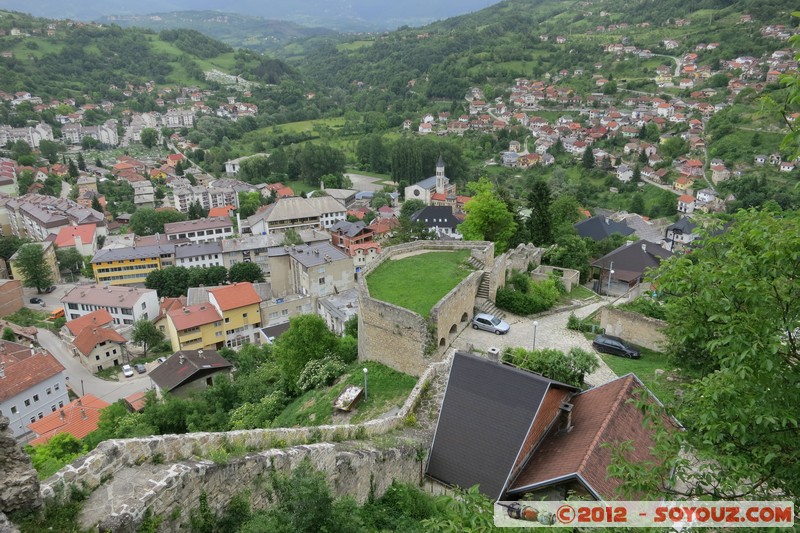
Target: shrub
(647,307)
(319,372)
(541,297)
(519,282)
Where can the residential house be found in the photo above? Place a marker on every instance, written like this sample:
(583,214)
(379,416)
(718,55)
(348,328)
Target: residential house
(32,384)
(681,232)
(440,220)
(513,432)
(49,255)
(83,238)
(188,371)
(624,173)
(200,230)
(363,254)
(78,418)
(253,248)
(125,304)
(686,204)
(239,306)
(195,327)
(207,197)
(166,305)
(129,266)
(599,228)
(624,268)
(337,309)
(100,347)
(315,270)
(345,234)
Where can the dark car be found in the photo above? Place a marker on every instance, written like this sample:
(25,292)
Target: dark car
(37,301)
(615,346)
(140,368)
(50,289)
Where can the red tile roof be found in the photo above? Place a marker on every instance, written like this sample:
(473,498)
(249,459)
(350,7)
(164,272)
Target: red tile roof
(89,338)
(23,370)
(137,400)
(66,236)
(236,295)
(96,319)
(78,418)
(221,211)
(602,415)
(193,316)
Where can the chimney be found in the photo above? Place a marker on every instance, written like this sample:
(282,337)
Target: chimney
(2,369)
(566,417)
(80,402)
(200,354)
(63,415)
(644,247)
(83,414)
(181,359)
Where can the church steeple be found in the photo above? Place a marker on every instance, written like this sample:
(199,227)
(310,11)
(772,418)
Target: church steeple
(441,179)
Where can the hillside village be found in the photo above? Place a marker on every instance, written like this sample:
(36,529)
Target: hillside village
(138,266)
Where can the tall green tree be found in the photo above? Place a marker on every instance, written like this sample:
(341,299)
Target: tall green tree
(146,335)
(170,282)
(540,223)
(81,161)
(733,309)
(245,272)
(196,211)
(9,244)
(488,217)
(588,158)
(96,205)
(149,137)
(34,267)
(307,338)
(149,221)
(72,169)
(411,206)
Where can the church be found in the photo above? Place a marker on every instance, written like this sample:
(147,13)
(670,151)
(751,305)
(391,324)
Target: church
(437,190)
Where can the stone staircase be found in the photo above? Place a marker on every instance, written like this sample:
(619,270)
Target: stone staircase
(486,306)
(483,288)
(475,263)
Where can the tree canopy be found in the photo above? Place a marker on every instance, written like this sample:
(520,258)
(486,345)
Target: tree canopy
(149,221)
(35,269)
(488,217)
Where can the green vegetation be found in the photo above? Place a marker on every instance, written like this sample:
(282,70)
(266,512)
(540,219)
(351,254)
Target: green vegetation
(418,282)
(523,296)
(386,389)
(31,317)
(571,367)
(645,369)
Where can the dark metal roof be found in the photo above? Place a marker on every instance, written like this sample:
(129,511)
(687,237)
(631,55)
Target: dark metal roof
(187,365)
(629,261)
(600,227)
(487,411)
(436,216)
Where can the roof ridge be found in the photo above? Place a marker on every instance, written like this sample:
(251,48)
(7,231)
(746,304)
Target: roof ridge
(609,415)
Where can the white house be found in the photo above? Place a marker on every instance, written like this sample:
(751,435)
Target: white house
(125,304)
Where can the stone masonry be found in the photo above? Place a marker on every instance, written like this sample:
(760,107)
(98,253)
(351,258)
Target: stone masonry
(19,484)
(642,330)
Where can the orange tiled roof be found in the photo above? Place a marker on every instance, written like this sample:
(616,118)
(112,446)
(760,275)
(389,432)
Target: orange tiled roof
(236,295)
(89,338)
(193,316)
(224,211)
(66,236)
(23,370)
(78,418)
(96,319)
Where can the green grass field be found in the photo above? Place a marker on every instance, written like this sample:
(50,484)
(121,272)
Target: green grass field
(386,389)
(645,369)
(419,281)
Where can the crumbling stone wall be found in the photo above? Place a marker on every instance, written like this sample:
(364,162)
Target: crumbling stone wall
(19,484)
(635,328)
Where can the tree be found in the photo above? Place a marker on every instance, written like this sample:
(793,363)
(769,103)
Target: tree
(9,244)
(637,174)
(149,221)
(81,161)
(637,204)
(488,217)
(411,206)
(49,150)
(149,137)
(197,211)
(245,272)
(588,158)
(33,266)
(146,335)
(249,202)
(96,205)
(72,169)
(69,259)
(540,224)
(9,335)
(733,309)
(307,338)
(571,367)
(291,238)
(170,282)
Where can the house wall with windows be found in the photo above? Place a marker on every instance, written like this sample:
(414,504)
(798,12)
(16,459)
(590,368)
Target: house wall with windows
(125,304)
(104,355)
(34,403)
(240,324)
(126,271)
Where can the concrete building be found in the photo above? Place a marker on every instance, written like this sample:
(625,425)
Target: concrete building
(128,266)
(32,385)
(338,309)
(436,184)
(78,418)
(83,238)
(253,248)
(201,255)
(297,213)
(200,230)
(105,133)
(239,305)
(99,348)
(33,135)
(207,197)
(36,216)
(195,327)
(315,270)
(125,304)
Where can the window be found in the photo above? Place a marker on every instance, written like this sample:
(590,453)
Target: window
(227,320)
(27,403)
(144,305)
(53,408)
(61,404)
(35,397)
(49,391)
(322,281)
(13,409)
(56,386)
(33,419)
(96,357)
(40,415)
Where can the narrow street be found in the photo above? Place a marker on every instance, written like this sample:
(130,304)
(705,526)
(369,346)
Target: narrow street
(82,381)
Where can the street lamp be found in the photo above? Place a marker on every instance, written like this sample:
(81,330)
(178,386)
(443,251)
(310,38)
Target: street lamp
(610,271)
(535,325)
(365,384)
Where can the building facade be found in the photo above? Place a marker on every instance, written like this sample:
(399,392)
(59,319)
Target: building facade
(125,304)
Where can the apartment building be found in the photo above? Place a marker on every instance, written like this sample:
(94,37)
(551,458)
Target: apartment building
(297,213)
(105,133)
(315,270)
(254,248)
(32,385)
(239,305)
(128,266)
(201,230)
(207,197)
(125,304)
(195,327)
(199,255)
(48,254)
(33,135)
(36,216)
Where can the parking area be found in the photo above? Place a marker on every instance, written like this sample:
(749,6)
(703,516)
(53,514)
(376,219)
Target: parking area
(51,300)
(551,332)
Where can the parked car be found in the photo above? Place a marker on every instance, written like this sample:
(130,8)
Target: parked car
(615,346)
(161,360)
(140,368)
(491,323)
(127,371)
(50,289)
(37,301)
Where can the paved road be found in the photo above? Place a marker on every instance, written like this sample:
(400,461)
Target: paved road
(551,332)
(82,381)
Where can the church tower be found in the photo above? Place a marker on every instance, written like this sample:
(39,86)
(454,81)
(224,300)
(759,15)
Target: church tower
(441,179)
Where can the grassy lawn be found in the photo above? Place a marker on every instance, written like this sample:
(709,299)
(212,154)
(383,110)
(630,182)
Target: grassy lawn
(419,281)
(578,292)
(28,317)
(386,389)
(644,369)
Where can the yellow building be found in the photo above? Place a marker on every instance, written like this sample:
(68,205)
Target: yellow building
(127,266)
(49,258)
(240,307)
(195,327)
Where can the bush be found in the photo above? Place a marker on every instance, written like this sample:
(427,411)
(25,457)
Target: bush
(647,307)
(319,372)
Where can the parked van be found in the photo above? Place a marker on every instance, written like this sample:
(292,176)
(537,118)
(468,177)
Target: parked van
(58,313)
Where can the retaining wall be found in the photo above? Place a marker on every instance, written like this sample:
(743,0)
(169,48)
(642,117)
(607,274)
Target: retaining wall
(633,327)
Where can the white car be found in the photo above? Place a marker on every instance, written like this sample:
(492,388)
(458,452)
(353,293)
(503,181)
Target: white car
(491,323)
(127,371)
